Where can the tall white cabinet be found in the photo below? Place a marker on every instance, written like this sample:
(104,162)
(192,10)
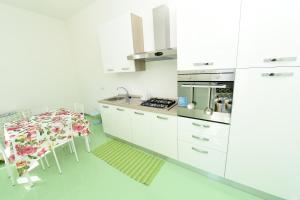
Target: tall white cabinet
(264,142)
(269,33)
(207,32)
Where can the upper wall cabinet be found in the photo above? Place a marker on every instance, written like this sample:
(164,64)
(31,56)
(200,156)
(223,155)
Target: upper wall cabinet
(119,38)
(269,35)
(207,34)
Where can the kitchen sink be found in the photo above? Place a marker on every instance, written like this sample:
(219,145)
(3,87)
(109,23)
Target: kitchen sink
(115,99)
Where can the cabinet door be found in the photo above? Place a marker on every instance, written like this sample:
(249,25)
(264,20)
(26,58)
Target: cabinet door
(264,140)
(208,134)
(202,157)
(164,133)
(116,44)
(207,34)
(122,123)
(269,33)
(142,129)
(107,115)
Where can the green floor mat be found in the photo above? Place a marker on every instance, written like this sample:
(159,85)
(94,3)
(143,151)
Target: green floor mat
(135,163)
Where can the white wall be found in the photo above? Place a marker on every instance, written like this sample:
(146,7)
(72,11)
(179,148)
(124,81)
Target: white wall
(36,67)
(159,79)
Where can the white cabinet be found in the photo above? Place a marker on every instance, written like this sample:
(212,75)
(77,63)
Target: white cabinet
(208,134)
(203,144)
(107,116)
(164,133)
(269,33)
(116,121)
(264,137)
(207,34)
(119,38)
(153,131)
(142,132)
(202,157)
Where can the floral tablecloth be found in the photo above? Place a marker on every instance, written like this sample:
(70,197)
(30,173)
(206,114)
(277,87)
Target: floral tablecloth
(29,140)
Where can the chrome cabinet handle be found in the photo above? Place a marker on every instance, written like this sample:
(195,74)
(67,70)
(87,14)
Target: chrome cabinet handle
(138,113)
(119,109)
(206,126)
(164,118)
(199,125)
(105,107)
(201,138)
(110,70)
(195,124)
(203,64)
(203,86)
(285,74)
(199,151)
(282,59)
(125,68)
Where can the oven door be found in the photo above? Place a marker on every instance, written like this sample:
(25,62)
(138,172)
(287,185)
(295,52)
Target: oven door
(201,95)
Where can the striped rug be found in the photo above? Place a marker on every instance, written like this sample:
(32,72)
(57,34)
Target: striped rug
(135,163)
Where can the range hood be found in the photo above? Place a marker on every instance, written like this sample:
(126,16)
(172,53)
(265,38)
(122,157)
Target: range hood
(162,38)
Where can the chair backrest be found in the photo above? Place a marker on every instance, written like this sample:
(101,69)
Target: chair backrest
(79,108)
(8,117)
(39,110)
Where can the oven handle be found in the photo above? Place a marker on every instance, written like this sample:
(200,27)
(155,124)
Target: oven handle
(203,86)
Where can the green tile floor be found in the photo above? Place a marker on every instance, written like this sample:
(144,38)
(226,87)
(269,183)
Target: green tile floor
(92,178)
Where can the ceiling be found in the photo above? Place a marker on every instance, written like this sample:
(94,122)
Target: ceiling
(61,9)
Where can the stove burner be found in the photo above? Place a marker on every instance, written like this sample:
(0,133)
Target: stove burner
(159,103)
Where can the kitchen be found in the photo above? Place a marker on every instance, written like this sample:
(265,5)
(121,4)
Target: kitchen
(191,91)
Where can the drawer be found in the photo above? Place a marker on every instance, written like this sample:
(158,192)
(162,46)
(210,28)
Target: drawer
(209,134)
(202,158)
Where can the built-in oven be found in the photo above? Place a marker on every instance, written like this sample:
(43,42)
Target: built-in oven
(206,95)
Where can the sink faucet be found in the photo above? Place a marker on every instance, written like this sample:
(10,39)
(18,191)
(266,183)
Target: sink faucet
(127,93)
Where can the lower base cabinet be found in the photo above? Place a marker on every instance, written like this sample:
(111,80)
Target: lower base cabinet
(202,157)
(152,131)
(116,121)
(164,133)
(203,144)
(142,129)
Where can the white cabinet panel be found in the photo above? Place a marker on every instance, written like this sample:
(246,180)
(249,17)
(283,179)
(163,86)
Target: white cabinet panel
(164,133)
(149,130)
(202,157)
(116,43)
(142,129)
(264,140)
(122,123)
(207,34)
(116,121)
(107,115)
(269,30)
(208,134)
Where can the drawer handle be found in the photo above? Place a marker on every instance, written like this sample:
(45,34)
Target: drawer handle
(283,59)
(164,118)
(125,68)
(138,113)
(201,138)
(286,74)
(199,151)
(119,109)
(105,107)
(203,64)
(199,125)
(110,70)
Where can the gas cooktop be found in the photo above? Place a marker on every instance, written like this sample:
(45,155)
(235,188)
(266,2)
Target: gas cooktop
(159,103)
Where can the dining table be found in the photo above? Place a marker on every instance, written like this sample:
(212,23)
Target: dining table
(28,140)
